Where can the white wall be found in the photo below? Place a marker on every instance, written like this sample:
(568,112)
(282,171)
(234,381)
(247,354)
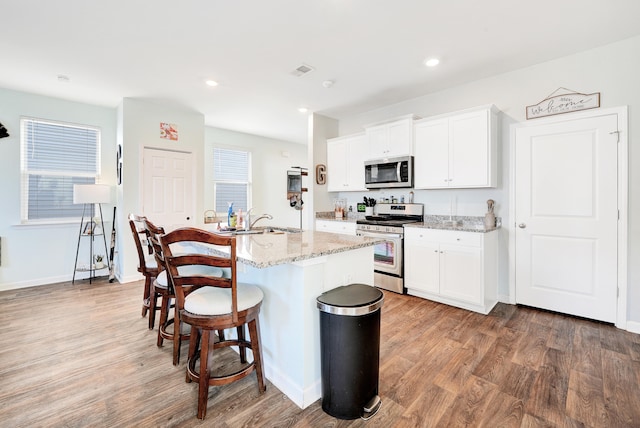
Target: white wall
(34,255)
(321,128)
(139,124)
(270,161)
(612,70)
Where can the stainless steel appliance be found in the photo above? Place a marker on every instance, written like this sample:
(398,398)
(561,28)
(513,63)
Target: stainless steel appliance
(388,256)
(389,173)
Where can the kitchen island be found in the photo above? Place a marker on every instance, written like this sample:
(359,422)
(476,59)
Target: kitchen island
(293,269)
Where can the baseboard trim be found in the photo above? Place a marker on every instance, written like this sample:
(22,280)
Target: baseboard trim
(633,327)
(35,282)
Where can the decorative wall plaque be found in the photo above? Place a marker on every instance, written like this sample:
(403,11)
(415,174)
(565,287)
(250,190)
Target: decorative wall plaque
(565,103)
(169,131)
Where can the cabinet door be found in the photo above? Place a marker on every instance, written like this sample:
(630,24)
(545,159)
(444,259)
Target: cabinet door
(377,141)
(399,137)
(469,150)
(355,163)
(461,275)
(431,162)
(421,265)
(337,158)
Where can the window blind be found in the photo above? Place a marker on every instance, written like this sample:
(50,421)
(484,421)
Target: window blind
(54,157)
(232,179)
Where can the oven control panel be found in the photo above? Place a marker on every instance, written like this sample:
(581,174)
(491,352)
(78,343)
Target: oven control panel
(379,228)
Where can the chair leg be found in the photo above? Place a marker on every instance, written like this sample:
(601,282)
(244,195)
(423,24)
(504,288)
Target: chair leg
(194,340)
(203,387)
(164,315)
(242,350)
(177,336)
(145,295)
(153,307)
(256,348)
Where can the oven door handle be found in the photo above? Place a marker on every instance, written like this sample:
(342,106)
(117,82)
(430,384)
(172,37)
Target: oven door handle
(380,235)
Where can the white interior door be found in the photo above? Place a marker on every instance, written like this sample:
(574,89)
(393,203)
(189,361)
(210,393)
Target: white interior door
(566,216)
(168,188)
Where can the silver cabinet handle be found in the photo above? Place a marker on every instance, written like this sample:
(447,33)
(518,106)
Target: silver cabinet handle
(522,225)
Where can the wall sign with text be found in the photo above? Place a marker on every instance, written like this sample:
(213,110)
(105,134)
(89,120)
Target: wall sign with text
(566,103)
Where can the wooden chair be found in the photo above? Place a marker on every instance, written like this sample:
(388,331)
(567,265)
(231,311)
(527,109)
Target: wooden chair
(146,264)
(209,303)
(163,289)
(160,286)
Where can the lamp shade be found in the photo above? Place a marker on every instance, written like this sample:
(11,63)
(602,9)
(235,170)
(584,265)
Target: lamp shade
(91,194)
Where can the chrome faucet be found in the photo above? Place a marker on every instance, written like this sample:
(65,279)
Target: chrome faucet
(247,219)
(267,216)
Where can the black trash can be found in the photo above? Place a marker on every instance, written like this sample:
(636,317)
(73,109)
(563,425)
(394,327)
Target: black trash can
(350,348)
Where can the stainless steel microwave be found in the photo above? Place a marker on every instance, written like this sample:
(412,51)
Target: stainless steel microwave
(389,173)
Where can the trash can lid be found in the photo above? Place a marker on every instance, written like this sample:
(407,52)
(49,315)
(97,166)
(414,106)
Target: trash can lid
(361,296)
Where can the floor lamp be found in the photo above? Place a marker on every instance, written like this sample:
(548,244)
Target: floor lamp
(92,195)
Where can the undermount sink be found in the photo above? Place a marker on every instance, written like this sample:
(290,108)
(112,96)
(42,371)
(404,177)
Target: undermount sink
(263,230)
(247,232)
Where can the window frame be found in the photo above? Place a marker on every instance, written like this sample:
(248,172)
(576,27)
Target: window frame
(248,183)
(26,173)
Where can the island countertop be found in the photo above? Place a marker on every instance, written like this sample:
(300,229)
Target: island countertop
(263,250)
(292,269)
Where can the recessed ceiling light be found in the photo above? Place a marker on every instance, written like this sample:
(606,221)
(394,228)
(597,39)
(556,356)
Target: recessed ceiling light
(432,62)
(211,83)
(303,109)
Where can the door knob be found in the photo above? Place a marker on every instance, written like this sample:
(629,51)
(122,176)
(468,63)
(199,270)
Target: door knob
(522,225)
(188,218)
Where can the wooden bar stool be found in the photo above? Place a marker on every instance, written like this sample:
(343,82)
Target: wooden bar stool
(146,262)
(162,289)
(210,303)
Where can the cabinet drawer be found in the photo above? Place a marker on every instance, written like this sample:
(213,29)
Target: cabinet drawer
(418,234)
(336,226)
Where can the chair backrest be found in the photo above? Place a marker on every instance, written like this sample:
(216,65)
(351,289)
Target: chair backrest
(153,233)
(141,239)
(196,249)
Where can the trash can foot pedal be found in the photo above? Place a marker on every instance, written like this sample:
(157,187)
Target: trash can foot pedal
(371,408)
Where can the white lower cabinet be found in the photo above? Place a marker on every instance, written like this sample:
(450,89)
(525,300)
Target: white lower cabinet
(452,267)
(336,226)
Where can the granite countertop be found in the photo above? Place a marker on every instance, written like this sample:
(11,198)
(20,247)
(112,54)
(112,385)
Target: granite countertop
(270,249)
(351,217)
(463,224)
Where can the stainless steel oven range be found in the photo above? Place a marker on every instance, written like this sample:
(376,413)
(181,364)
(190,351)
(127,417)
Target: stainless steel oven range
(389,255)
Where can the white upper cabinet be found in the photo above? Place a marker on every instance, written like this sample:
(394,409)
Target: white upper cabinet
(390,139)
(345,163)
(458,150)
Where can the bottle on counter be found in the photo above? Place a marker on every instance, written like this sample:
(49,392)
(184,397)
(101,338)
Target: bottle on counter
(240,220)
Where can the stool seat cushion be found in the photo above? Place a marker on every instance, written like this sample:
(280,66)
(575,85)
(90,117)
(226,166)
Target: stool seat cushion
(191,270)
(217,301)
(150,263)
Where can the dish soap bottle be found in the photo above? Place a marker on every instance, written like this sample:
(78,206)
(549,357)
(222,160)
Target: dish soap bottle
(229,214)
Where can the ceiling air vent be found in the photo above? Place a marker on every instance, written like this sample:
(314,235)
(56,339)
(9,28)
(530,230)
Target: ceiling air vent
(302,70)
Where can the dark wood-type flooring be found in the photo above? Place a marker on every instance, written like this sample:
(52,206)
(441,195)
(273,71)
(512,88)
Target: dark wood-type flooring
(80,355)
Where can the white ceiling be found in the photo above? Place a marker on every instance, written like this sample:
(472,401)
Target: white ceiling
(372,49)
